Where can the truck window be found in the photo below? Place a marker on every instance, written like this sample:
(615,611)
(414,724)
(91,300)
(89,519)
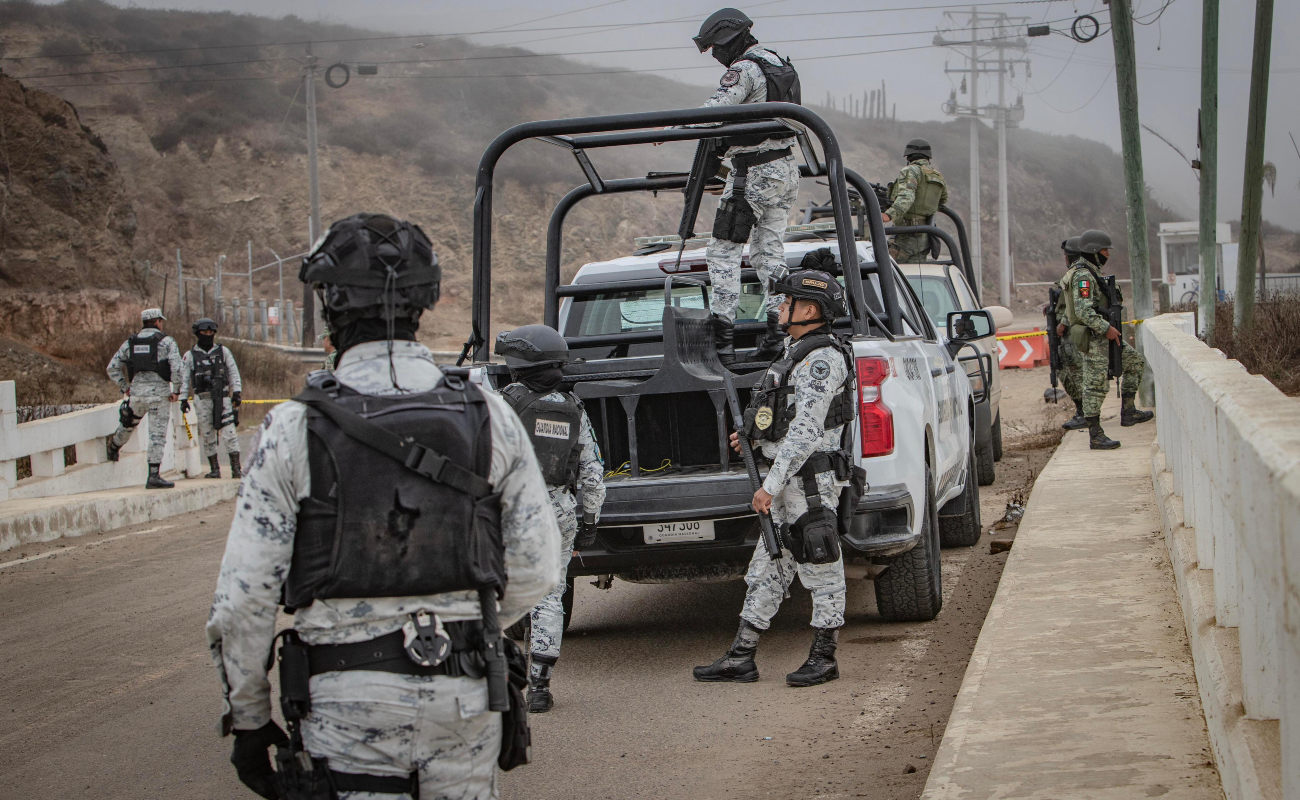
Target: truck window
(638,311)
(936,296)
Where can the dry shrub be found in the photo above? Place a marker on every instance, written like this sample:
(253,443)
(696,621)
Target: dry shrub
(1272,348)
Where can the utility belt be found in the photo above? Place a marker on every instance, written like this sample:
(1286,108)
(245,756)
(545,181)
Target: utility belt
(736,218)
(388,653)
(814,538)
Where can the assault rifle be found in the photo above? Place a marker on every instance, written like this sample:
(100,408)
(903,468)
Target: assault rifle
(1114,314)
(1053,338)
(770,542)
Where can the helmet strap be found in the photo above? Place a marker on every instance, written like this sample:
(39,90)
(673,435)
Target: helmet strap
(786,324)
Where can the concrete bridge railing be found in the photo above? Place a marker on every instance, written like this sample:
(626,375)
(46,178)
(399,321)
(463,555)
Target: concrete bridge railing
(1227,474)
(44,441)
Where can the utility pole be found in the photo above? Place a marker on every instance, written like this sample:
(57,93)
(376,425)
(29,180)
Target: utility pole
(1121,17)
(308,299)
(1208,137)
(180,286)
(1252,190)
(983,61)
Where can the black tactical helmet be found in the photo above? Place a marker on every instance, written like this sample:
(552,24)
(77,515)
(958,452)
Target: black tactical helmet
(1092,242)
(721,27)
(916,147)
(1071,246)
(204,324)
(373,266)
(820,287)
(531,346)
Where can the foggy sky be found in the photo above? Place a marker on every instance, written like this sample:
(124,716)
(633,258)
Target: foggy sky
(1071,91)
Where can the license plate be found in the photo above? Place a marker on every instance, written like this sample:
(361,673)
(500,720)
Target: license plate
(668,532)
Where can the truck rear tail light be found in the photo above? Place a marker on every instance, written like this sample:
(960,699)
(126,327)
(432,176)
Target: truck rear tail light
(874,417)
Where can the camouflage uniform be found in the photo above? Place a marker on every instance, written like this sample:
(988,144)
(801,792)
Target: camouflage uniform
(1071,360)
(149,392)
(548,617)
(910,248)
(1095,362)
(817,380)
(770,190)
(374,722)
(203,405)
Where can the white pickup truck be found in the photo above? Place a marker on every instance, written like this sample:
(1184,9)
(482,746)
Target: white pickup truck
(677,506)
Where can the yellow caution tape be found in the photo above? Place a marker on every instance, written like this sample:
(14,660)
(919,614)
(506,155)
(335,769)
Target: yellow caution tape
(257,402)
(1011,336)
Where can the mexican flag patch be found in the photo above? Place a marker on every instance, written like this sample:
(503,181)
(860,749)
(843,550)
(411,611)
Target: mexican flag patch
(1085,287)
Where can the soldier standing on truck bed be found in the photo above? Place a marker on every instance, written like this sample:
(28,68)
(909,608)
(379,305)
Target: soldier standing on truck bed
(566,449)
(914,199)
(147,368)
(797,416)
(212,375)
(1071,361)
(1091,333)
(762,185)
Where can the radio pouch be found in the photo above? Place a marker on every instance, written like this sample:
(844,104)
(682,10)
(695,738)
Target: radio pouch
(815,535)
(734,221)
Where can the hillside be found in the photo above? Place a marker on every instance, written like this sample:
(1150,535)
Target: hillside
(213,156)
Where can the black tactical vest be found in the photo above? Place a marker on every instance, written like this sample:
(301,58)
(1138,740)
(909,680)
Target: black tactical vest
(372,527)
(144,357)
(208,368)
(782,87)
(554,428)
(770,411)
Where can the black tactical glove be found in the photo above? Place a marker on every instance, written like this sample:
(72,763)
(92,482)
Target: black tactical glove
(185,405)
(253,761)
(586,532)
(236,399)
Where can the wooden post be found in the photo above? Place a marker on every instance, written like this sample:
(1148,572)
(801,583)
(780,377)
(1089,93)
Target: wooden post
(1209,144)
(1252,189)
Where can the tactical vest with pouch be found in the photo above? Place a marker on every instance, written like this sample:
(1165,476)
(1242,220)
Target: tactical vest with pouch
(771,408)
(930,187)
(782,87)
(400,504)
(553,427)
(145,358)
(1080,334)
(208,369)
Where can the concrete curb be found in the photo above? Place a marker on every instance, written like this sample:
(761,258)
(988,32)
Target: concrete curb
(1248,752)
(47,518)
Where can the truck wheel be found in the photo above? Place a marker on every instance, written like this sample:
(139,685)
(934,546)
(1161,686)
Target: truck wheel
(911,587)
(984,463)
(963,530)
(997,438)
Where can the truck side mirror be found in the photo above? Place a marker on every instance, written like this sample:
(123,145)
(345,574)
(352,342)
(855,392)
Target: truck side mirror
(968,326)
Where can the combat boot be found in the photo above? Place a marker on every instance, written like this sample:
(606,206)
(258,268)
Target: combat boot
(1079,421)
(1097,438)
(155,480)
(737,664)
(821,666)
(111,449)
(768,347)
(215,463)
(539,685)
(1131,415)
(235,471)
(724,338)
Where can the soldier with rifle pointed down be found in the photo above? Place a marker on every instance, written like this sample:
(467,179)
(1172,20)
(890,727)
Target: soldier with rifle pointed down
(562,437)
(399,513)
(1092,313)
(212,376)
(797,417)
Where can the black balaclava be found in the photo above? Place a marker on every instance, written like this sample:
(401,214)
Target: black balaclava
(1096,259)
(541,378)
(726,54)
(206,339)
(371,329)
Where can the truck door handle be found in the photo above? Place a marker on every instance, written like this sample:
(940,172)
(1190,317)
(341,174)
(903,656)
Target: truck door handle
(951,367)
(935,372)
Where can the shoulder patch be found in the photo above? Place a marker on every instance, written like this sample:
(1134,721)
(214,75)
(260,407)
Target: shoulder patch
(820,369)
(730,78)
(1085,287)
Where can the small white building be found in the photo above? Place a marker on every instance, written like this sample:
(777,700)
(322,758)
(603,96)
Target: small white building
(1181,258)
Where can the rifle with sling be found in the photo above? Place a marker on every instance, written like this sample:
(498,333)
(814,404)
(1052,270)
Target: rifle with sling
(704,168)
(1114,313)
(1053,338)
(770,541)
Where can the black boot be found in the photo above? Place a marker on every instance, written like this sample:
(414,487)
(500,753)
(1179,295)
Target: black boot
(539,685)
(1078,422)
(737,664)
(821,666)
(111,450)
(769,345)
(724,339)
(215,463)
(155,480)
(235,472)
(1131,415)
(1097,439)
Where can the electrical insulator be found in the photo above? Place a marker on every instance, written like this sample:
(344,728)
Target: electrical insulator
(963,85)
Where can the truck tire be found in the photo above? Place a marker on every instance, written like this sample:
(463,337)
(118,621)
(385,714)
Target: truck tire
(984,463)
(997,438)
(911,587)
(963,530)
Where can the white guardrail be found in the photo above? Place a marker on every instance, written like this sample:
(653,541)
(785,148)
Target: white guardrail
(44,440)
(1231,448)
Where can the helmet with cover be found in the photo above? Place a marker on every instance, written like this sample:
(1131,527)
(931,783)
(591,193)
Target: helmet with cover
(1092,242)
(916,148)
(721,27)
(532,346)
(1071,247)
(816,286)
(204,325)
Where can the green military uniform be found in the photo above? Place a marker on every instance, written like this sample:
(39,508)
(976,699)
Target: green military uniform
(1071,362)
(1087,338)
(913,199)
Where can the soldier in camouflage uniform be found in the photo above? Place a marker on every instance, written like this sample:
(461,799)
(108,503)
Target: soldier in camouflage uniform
(371,723)
(914,199)
(1071,362)
(1091,333)
(213,360)
(147,368)
(764,171)
(566,449)
(819,380)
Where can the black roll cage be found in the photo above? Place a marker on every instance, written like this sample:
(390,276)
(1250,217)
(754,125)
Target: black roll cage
(582,133)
